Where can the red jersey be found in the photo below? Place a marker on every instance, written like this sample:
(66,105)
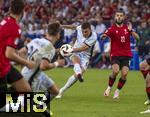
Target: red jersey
(9,36)
(120,40)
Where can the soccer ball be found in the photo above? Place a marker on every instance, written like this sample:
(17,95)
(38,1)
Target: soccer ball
(66,50)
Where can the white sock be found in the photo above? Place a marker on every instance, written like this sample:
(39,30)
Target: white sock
(77,69)
(109,87)
(117,90)
(69,83)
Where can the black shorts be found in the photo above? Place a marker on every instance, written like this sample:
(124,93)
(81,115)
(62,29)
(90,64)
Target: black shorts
(121,61)
(148,60)
(12,76)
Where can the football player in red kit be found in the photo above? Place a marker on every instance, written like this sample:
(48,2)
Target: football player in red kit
(120,54)
(9,37)
(145,69)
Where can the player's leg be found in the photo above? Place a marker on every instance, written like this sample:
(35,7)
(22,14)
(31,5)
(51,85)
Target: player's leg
(45,84)
(115,70)
(124,71)
(148,88)
(3,89)
(73,79)
(145,69)
(17,81)
(148,93)
(77,67)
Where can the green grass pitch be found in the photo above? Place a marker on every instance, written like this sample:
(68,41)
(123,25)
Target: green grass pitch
(87,100)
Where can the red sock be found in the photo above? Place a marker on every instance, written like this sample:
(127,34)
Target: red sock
(121,83)
(111,81)
(148,92)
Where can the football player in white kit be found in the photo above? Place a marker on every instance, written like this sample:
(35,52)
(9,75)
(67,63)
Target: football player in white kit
(86,39)
(42,52)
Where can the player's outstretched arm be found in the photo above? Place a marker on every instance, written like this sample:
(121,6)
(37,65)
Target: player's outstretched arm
(46,65)
(73,27)
(83,48)
(11,54)
(23,52)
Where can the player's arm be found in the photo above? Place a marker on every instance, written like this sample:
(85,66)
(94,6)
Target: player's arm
(23,52)
(134,34)
(87,44)
(11,54)
(73,27)
(83,48)
(103,36)
(46,65)
(106,34)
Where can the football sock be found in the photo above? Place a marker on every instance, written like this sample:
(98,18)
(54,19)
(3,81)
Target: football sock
(77,69)
(111,81)
(148,92)
(69,83)
(121,83)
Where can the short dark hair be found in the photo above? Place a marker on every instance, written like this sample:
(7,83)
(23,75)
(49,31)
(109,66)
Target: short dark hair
(120,11)
(86,25)
(53,29)
(17,7)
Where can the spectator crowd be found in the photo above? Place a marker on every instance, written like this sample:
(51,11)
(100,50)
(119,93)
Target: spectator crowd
(38,13)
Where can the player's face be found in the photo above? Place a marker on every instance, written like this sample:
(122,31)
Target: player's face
(86,32)
(119,18)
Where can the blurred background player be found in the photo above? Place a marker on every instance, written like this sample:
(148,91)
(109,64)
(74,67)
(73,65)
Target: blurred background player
(86,39)
(9,37)
(42,52)
(120,54)
(145,69)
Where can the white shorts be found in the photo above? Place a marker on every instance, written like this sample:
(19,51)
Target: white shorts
(84,60)
(41,81)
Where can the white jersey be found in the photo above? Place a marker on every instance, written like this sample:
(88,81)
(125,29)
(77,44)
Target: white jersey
(40,48)
(82,40)
(37,50)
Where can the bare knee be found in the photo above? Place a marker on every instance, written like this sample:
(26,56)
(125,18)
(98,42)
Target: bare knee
(124,72)
(115,69)
(143,65)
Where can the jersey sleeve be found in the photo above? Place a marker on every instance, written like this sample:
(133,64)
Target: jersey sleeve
(29,45)
(13,41)
(47,52)
(91,41)
(108,32)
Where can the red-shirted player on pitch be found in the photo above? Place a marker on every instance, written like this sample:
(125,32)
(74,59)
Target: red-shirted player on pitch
(120,54)
(9,35)
(145,69)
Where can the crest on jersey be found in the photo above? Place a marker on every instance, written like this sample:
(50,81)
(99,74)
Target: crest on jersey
(125,31)
(116,31)
(16,41)
(19,31)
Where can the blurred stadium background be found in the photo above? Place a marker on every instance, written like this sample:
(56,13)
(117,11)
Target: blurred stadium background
(38,13)
(86,100)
